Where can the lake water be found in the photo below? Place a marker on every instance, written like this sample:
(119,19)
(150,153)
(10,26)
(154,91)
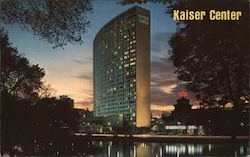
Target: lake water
(146,149)
(88,148)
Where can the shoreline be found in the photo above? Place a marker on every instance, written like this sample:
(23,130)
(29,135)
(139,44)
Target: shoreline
(163,138)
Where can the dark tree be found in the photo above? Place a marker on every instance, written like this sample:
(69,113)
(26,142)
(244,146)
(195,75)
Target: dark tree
(47,91)
(30,118)
(20,83)
(19,78)
(57,21)
(124,2)
(211,56)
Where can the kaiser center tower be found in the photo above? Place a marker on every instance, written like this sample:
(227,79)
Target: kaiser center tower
(122,68)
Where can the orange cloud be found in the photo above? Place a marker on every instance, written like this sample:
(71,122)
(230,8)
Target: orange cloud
(168,89)
(158,109)
(162,107)
(84,105)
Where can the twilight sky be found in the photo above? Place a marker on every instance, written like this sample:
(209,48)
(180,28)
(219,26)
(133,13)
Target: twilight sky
(69,71)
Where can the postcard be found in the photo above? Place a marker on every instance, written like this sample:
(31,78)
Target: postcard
(124,78)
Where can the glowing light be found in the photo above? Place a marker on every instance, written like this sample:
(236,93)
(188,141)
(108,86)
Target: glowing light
(229,105)
(109,152)
(183,94)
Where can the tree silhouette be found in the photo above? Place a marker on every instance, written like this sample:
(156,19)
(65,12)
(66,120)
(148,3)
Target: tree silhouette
(30,117)
(19,78)
(125,2)
(58,22)
(21,83)
(212,56)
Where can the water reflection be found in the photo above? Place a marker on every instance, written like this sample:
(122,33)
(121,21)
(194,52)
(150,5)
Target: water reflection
(89,148)
(146,149)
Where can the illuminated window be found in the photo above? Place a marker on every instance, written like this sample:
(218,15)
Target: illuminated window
(133,50)
(143,19)
(133,63)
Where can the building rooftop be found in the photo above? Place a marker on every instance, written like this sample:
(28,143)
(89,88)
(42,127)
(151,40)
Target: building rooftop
(127,12)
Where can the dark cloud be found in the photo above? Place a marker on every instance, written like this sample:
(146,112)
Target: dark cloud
(160,44)
(163,72)
(163,65)
(164,83)
(85,76)
(84,61)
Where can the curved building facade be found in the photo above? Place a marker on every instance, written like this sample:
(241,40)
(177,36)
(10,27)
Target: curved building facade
(122,68)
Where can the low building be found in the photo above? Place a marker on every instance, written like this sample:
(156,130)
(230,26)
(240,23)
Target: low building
(212,121)
(101,124)
(181,121)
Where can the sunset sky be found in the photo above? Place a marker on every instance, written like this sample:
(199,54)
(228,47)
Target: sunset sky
(69,71)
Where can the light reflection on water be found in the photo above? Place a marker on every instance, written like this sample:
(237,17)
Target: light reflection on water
(147,149)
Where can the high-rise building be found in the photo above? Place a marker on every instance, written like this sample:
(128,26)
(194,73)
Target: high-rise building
(122,68)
